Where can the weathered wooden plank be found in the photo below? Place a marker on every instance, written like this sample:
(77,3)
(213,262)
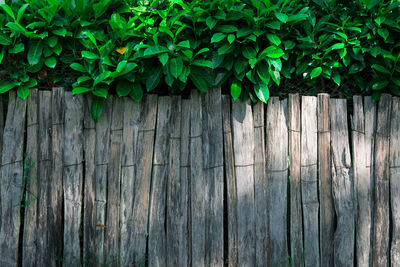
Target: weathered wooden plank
(230,179)
(277,178)
(89,187)
(112,232)
(327,212)
(381,173)
(12,180)
(198,183)
(342,185)
(214,173)
(260,184)
(173,189)
(102,150)
(296,214)
(362,184)
(243,148)
(31,181)
(394,166)
(309,179)
(55,209)
(130,132)
(44,177)
(2,123)
(73,178)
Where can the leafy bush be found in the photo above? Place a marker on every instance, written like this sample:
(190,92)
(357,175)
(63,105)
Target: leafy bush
(248,46)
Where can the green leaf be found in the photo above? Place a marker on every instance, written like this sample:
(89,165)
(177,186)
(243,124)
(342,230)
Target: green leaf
(371,3)
(217,37)
(163,58)
(316,72)
(231,38)
(100,92)
(91,37)
(50,62)
(202,63)
(211,22)
(380,68)
(383,32)
(153,80)
(137,92)
(227,28)
(336,77)
(335,47)
(6,86)
(282,17)
(176,67)
(199,82)
(97,108)
(57,49)
(262,92)
(244,32)
(201,78)
(396,81)
(23,92)
(263,73)
(201,51)
(249,52)
(236,90)
(35,52)
(121,65)
(379,85)
(89,55)
(18,48)
(101,77)
(225,49)
(123,88)
(240,65)
(4,39)
(272,52)
(80,90)
(274,39)
(155,50)
(185,44)
(60,32)
(78,67)
(8,10)
(275,75)
(52,41)
(82,79)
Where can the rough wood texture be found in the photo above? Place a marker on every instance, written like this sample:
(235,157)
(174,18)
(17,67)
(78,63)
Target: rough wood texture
(2,122)
(342,185)
(394,166)
(73,177)
(277,179)
(31,180)
(112,232)
(309,179)
(243,148)
(230,180)
(296,214)
(44,177)
(55,208)
(327,212)
(381,173)
(362,183)
(102,150)
(130,133)
(260,184)
(12,183)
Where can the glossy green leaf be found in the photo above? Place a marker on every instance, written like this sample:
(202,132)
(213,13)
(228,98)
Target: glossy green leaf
(211,22)
(123,88)
(91,37)
(153,79)
(272,52)
(89,55)
(78,67)
(380,85)
(380,69)
(4,39)
(274,39)
(80,90)
(282,17)
(316,72)
(6,86)
(163,58)
(8,10)
(137,92)
(202,63)
(97,108)
(23,92)
(35,52)
(155,50)
(121,65)
(236,90)
(51,62)
(175,67)
(100,92)
(262,92)
(231,38)
(217,37)
(101,77)
(249,52)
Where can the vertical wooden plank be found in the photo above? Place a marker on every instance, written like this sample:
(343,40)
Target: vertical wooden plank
(131,115)
(362,183)
(89,199)
(309,179)
(148,115)
(55,208)
(102,151)
(327,212)
(12,180)
(214,173)
(2,123)
(296,218)
(381,173)
(73,178)
(198,183)
(112,232)
(243,148)
(395,180)
(173,189)
(230,179)
(277,178)
(30,218)
(342,185)
(44,177)
(260,184)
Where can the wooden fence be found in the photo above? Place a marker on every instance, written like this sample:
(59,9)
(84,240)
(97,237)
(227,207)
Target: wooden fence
(200,182)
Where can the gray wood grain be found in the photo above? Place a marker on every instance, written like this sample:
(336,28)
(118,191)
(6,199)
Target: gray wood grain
(362,184)
(112,232)
(260,184)
(381,173)
(342,185)
(148,115)
(327,212)
(394,165)
(12,180)
(102,150)
(309,179)
(296,213)
(73,178)
(131,115)
(277,179)
(230,179)
(31,175)
(2,123)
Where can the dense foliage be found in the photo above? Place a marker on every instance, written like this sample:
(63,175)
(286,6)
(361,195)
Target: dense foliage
(248,46)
